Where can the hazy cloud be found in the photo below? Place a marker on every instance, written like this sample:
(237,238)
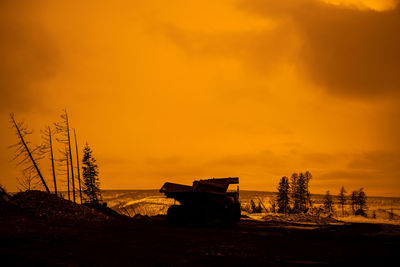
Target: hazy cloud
(361,169)
(186,89)
(357,177)
(381,161)
(265,50)
(348,51)
(343,49)
(28,56)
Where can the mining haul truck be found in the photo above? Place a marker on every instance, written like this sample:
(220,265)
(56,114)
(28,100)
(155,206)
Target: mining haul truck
(206,202)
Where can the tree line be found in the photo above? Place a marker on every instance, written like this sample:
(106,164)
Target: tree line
(294,196)
(358,201)
(29,155)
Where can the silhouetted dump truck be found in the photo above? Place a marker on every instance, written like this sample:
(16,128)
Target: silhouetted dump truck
(205,202)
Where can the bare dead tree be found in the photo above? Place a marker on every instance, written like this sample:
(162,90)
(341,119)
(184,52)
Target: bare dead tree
(77,164)
(68,175)
(63,129)
(22,150)
(63,163)
(47,149)
(27,182)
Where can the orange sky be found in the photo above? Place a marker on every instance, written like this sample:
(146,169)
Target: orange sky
(177,90)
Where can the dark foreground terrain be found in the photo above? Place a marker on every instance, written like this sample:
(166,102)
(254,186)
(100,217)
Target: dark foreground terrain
(35,239)
(153,242)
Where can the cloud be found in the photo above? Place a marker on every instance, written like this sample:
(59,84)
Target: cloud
(348,51)
(275,163)
(219,96)
(28,56)
(367,169)
(379,161)
(377,170)
(263,50)
(357,177)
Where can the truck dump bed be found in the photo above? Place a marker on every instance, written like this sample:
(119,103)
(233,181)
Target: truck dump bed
(208,196)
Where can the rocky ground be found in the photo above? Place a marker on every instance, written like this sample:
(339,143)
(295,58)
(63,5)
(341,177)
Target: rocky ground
(41,229)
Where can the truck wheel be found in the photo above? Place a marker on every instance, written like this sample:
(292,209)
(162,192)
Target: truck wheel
(177,216)
(228,216)
(236,212)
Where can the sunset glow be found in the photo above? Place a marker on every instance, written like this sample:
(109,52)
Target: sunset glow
(179,90)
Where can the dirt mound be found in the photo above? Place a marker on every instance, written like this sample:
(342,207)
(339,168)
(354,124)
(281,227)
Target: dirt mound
(51,207)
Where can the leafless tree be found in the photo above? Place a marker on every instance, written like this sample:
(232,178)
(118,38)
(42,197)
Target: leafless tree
(63,163)
(27,182)
(62,128)
(24,154)
(47,149)
(77,164)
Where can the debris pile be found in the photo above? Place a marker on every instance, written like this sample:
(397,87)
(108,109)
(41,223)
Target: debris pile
(50,207)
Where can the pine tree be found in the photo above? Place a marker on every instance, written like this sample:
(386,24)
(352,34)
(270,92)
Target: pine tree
(283,195)
(342,198)
(294,191)
(328,202)
(354,201)
(361,202)
(302,192)
(308,177)
(90,173)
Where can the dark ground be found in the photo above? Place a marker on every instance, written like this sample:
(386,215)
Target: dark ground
(147,241)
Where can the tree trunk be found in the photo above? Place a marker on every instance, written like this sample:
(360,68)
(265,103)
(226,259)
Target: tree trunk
(70,159)
(66,155)
(30,155)
(52,162)
(77,164)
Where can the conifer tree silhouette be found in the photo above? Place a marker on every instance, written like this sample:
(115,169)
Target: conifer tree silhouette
(90,173)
